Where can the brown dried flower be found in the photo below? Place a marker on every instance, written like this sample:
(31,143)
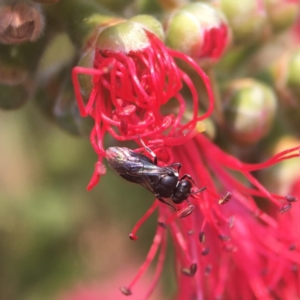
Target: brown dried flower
(20,22)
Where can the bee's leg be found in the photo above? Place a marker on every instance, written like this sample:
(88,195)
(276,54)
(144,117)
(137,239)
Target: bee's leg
(189,177)
(176,165)
(165,202)
(150,152)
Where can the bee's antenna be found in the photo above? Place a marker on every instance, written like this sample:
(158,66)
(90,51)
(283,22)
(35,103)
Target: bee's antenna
(199,191)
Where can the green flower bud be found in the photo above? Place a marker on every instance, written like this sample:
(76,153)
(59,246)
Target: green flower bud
(288,86)
(282,13)
(130,35)
(149,23)
(293,72)
(198,30)
(246,18)
(285,75)
(249,111)
(280,177)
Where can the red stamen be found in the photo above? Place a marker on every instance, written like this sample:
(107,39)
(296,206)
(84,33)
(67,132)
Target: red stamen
(143,219)
(150,256)
(159,267)
(105,68)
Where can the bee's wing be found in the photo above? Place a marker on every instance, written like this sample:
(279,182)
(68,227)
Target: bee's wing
(139,169)
(146,169)
(147,175)
(147,183)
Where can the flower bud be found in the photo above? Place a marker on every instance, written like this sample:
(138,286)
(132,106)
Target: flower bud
(149,23)
(198,30)
(282,13)
(129,36)
(20,22)
(250,108)
(280,177)
(293,78)
(285,75)
(290,90)
(246,18)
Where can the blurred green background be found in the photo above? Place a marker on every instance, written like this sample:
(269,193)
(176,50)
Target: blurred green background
(54,233)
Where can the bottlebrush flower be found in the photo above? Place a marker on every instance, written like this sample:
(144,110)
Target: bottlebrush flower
(223,250)
(134,77)
(228,246)
(247,19)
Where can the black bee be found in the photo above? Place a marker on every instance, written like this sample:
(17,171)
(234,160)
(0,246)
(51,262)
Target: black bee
(163,182)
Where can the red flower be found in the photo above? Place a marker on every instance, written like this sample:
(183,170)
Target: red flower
(229,251)
(130,89)
(233,251)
